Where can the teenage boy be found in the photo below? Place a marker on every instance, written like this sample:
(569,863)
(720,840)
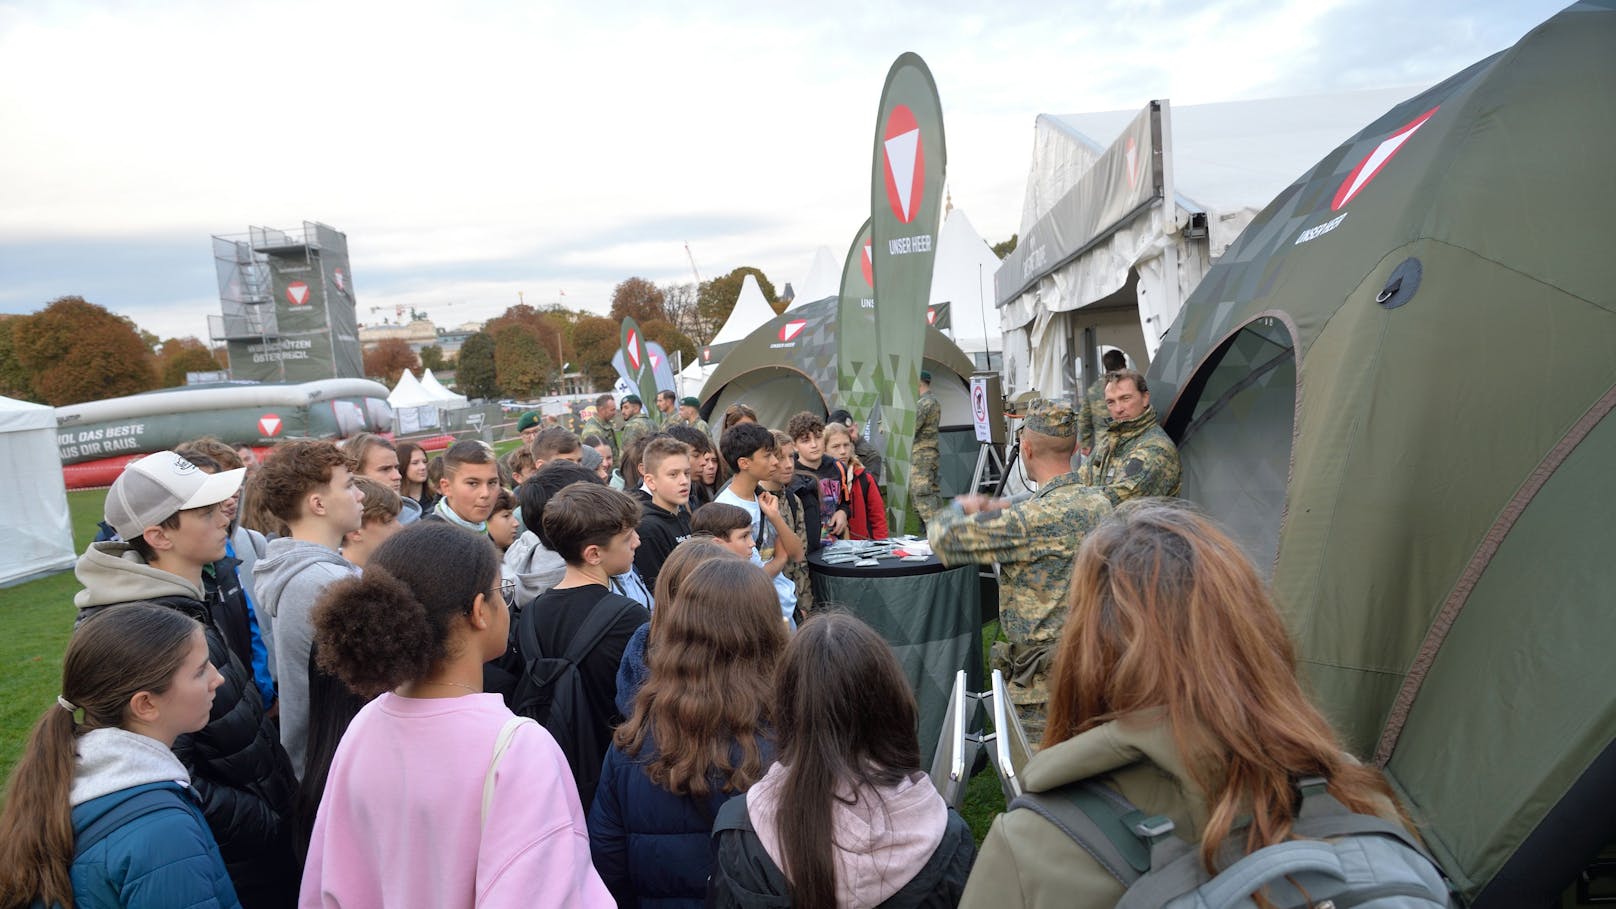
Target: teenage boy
(168,515)
(593,530)
(731,527)
(306,484)
(753,457)
(378,521)
(374,458)
(808,431)
(469,485)
(664,519)
(798,495)
(555,443)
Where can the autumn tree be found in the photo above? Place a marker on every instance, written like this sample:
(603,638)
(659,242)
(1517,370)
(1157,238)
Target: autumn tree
(715,299)
(474,372)
(1005,247)
(595,339)
(388,359)
(76,351)
(14,379)
(547,325)
(432,357)
(178,356)
(679,302)
(522,368)
(674,341)
(638,299)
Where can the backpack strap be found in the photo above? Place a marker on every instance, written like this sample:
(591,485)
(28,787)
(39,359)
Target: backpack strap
(600,621)
(732,816)
(1102,823)
(157,798)
(507,732)
(1322,816)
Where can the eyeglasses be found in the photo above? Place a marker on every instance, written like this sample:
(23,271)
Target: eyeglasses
(507,590)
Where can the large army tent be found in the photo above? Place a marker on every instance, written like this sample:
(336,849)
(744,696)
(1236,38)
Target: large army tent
(37,536)
(1396,389)
(1098,243)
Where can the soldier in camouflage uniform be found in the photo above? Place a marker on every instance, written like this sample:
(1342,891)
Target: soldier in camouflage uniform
(600,424)
(1093,418)
(1034,540)
(1134,457)
(635,422)
(923,488)
(689,415)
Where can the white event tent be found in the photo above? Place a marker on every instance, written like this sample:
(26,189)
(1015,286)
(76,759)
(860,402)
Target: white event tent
(36,538)
(962,276)
(441,394)
(751,310)
(414,408)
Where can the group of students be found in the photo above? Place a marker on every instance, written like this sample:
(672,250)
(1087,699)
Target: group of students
(721,744)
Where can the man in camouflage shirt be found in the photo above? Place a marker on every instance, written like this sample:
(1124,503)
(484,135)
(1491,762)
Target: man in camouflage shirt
(1093,418)
(1134,457)
(689,414)
(1034,540)
(635,423)
(600,425)
(923,488)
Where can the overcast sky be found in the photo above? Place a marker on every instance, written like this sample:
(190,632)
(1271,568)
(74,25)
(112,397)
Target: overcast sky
(475,150)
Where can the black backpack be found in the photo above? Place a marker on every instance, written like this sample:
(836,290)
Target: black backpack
(551,690)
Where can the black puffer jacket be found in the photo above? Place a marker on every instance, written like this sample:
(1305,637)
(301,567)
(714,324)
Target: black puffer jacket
(236,762)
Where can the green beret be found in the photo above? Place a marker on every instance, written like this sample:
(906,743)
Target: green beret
(527,421)
(1051,418)
(925,376)
(633,399)
(690,402)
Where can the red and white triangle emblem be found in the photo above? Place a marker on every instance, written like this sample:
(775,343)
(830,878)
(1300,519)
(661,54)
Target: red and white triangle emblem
(297,293)
(793,328)
(269,424)
(931,315)
(1372,163)
(906,163)
(634,349)
(868,265)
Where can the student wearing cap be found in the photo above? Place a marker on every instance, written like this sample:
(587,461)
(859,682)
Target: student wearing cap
(690,414)
(636,424)
(1034,540)
(169,516)
(923,488)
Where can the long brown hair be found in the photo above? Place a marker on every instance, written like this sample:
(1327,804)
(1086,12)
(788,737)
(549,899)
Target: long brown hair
(846,718)
(116,654)
(711,655)
(1167,613)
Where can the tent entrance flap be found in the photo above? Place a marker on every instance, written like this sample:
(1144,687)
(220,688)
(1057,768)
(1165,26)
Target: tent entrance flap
(1233,425)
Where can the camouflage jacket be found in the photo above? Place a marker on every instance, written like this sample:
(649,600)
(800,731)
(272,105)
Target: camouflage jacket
(928,419)
(641,425)
(1132,460)
(1034,541)
(1092,417)
(697,424)
(594,427)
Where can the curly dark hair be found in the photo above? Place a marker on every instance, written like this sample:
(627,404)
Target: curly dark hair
(804,424)
(293,470)
(392,624)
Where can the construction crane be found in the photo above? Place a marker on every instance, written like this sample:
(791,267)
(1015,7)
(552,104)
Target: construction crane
(693,269)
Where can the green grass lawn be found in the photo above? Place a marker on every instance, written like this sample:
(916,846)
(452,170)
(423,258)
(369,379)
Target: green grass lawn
(35,621)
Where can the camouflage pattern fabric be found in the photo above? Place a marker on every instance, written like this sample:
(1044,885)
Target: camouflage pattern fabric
(640,425)
(791,508)
(923,488)
(594,427)
(698,424)
(1034,541)
(1133,460)
(1092,417)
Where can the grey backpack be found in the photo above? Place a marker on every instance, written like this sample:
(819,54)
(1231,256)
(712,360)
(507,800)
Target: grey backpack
(1341,859)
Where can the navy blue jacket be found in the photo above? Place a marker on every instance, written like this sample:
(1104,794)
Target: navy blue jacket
(164,857)
(651,847)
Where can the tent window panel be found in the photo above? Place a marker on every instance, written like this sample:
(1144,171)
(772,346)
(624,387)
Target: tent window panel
(1236,446)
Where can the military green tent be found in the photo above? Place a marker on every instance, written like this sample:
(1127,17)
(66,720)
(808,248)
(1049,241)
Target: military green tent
(1394,388)
(788,364)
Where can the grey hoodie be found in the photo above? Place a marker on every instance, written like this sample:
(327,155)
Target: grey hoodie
(113,573)
(533,566)
(112,760)
(288,580)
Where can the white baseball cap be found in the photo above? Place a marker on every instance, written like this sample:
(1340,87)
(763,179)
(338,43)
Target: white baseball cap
(152,489)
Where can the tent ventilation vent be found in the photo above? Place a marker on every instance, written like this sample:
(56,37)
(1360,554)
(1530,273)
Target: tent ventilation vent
(1401,286)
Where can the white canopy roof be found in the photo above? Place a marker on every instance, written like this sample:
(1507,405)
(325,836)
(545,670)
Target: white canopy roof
(751,310)
(824,279)
(442,395)
(37,536)
(409,393)
(962,276)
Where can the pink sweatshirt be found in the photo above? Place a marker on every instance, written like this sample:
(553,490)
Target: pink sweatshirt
(400,823)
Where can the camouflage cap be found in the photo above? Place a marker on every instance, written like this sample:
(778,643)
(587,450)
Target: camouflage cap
(1051,418)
